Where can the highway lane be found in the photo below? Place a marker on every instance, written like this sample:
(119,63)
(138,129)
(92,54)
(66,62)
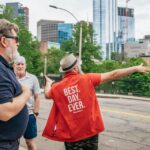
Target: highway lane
(127,125)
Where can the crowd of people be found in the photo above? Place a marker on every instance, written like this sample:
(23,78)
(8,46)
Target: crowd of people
(74,99)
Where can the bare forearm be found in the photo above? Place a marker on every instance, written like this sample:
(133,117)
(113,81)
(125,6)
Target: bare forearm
(36,103)
(10,109)
(119,73)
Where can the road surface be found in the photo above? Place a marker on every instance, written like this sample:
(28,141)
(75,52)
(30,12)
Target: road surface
(127,125)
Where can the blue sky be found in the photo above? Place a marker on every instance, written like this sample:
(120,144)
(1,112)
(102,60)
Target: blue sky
(82,9)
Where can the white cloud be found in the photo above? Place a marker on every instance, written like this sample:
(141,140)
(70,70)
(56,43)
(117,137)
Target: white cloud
(142,16)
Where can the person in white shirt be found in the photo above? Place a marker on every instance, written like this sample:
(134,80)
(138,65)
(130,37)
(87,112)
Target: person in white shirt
(33,103)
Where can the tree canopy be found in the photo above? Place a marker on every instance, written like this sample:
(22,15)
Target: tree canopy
(28,45)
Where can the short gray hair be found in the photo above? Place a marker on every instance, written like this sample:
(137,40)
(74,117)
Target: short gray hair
(6,27)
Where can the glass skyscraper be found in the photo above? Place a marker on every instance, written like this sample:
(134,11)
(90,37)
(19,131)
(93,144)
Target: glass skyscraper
(64,32)
(126,26)
(20,11)
(105,25)
(47,30)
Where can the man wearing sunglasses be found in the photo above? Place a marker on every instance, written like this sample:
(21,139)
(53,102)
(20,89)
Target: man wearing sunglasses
(33,103)
(13,96)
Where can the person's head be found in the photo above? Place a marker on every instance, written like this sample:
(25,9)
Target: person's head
(20,66)
(8,40)
(68,63)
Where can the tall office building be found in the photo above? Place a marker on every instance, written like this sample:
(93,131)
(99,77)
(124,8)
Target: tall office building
(47,30)
(20,11)
(105,25)
(64,31)
(26,17)
(126,26)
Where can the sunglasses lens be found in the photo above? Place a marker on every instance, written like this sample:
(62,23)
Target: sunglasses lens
(13,37)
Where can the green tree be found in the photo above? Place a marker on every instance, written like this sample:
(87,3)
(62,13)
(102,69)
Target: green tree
(116,56)
(7,13)
(28,45)
(90,51)
(69,46)
(136,83)
(53,58)
(29,48)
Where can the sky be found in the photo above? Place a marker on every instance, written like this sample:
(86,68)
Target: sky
(82,9)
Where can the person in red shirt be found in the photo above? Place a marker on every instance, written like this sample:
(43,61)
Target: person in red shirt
(75,116)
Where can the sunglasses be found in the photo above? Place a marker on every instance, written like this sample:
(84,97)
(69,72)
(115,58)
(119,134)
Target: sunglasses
(12,37)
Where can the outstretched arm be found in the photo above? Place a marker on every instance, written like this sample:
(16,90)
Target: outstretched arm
(119,73)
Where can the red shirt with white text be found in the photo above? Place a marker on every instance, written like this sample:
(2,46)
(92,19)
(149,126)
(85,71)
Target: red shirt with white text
(75,114)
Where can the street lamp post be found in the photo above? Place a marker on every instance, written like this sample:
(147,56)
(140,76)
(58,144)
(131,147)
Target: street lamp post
(45,65)
(80,36)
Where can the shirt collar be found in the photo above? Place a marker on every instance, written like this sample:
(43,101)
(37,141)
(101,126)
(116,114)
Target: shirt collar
(3,61)
(70,74)
(27,74)
(24,77)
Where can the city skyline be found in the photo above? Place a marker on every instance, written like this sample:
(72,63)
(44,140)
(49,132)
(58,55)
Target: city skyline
(142,18)
(105,25)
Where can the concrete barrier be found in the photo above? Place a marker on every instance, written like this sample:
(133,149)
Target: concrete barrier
(123,96)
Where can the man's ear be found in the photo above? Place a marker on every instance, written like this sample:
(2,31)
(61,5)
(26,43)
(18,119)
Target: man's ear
(76,68)
(3,42)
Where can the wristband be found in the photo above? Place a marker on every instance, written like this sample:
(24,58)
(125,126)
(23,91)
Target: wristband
(36,113)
